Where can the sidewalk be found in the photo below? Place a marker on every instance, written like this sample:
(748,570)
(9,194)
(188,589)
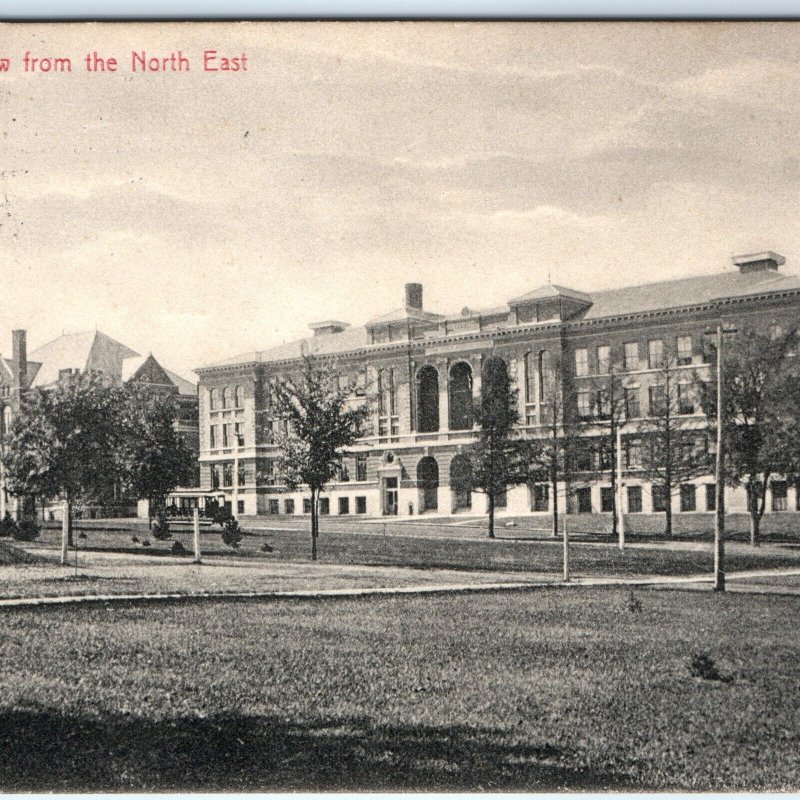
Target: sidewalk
(417,590)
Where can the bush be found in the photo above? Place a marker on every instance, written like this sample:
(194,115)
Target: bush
(160,528)
(703,666)
(27,530)
(178,549)
(634,604)
(146,543)
(7,526)
(232,533)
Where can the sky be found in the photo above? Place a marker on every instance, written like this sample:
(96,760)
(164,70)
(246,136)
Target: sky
(197,215)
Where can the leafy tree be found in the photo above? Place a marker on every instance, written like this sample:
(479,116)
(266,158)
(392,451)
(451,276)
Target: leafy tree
(498,459)
(556,438)
(320,424)
(64,442)
(673,450)
(761,416)
(152,457)
(608,403)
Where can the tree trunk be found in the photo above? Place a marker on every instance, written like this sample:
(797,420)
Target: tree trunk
(314,523)
(490,497)
(554,487)
(755,528)
(66,528)
(757,506)
(668,512)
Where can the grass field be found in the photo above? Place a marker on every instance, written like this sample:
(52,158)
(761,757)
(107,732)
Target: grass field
(534,691)
(533,557)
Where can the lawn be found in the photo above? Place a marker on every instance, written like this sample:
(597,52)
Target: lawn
(555,689)
(532,557)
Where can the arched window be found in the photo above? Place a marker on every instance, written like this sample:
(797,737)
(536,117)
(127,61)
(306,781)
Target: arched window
(427,400)
(226,397)
(495,387)
(545,377)
(428,483)
(461,407)
(213,399)
(461,482)
(239,397)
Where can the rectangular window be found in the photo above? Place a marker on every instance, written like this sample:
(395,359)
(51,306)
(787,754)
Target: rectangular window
(581,361)
(540,497)
(584,500)
(631,356)
(584,460)
(288,506)
(584,404)
(215,477)
(603,359)
(226,435)
(361,505)
(240,506)
(658,405)
(634,499)
(344,473)
(778,495)
(306,505)
(685,398)
(361,383)
(324,506)
(711,497)
(237,432)
(272,507)
(632,409)
(688,497)
(344,505)
(212,437)
(605,454)
(655,353)
(684,350)
(606,499)
(633,454)
(530,378)
(361,467)
(240,475)
(227,474)
(659,494)
(388,421)
(603,404)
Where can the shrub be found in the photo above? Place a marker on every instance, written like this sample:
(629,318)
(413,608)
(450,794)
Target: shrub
(27,530)
(267,548)
(160,529)
(231,533)
(7,526)
(634,604)
(135,539)
(703,666)
(178,549)
(146,543)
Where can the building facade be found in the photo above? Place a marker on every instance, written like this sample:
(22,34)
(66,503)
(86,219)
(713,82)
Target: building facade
(421,374)
(97,353)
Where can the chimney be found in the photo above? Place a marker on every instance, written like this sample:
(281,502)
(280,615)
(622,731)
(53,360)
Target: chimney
(19,358)
(758,262)
(414,296)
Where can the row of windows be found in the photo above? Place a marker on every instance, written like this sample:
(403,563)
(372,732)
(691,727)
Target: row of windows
(222,475)
(343,505)
(228,398)
(232,435)
(631,360)
(598,404)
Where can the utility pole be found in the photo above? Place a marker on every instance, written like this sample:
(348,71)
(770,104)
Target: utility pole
(620,516)
(719,517)
(235,499)
(196,531)
(566,550)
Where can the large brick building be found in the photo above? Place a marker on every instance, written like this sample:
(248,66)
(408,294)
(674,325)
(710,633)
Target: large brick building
(98,353)
(423,371)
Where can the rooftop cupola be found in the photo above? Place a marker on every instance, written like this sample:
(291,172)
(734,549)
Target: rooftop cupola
(758,262)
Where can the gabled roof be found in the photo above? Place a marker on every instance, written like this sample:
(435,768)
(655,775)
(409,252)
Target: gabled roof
(81,351)
(155,373)
(184,387)
(551,291)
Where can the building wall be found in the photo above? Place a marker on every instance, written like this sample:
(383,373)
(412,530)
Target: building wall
(471,344)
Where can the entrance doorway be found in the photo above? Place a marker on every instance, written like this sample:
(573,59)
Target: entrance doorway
(390,497)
